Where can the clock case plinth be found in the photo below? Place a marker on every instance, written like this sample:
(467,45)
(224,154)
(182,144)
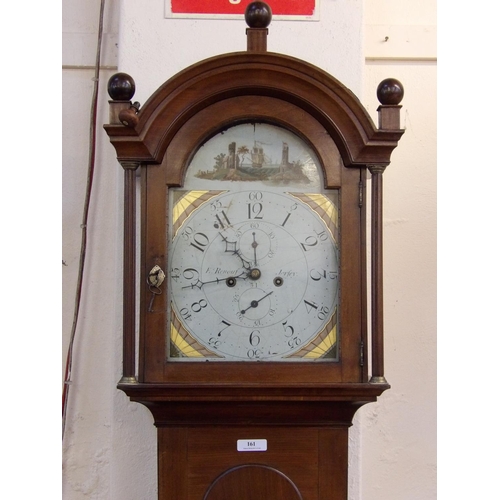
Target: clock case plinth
(304,410)
(306,429)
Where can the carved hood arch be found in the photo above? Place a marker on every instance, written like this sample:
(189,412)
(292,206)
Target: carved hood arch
(264,74)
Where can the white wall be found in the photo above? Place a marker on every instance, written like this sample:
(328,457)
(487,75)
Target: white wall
(398,433)
(109,447)
(153,48)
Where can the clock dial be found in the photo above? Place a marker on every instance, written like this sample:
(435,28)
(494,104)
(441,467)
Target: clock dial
(254,275)
(254,268)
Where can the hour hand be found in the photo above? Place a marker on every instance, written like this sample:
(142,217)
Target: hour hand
(246,264)
(231,247)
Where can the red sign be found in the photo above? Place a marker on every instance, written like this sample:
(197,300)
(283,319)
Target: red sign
(228,8)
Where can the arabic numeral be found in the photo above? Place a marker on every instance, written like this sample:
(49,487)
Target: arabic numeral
(292,208)
(320,312)
(254,353)
(184,312)
(322,236)
(310,306)
(289,330)
(213,342)
(200,241)
(255,196)
(317,275)
(192,275)
(198,306)
(254,210)
(223,328)
(323,312)
(309,242)
(216,205)
(187,233)
(286,218)
(254,338)
(222,221)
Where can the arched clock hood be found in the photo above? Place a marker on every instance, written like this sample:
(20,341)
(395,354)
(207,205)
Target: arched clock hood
(249,74)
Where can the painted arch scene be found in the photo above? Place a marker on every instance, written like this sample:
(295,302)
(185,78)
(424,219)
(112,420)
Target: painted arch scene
(256,152)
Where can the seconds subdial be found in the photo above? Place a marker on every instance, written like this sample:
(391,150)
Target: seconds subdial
(257,243)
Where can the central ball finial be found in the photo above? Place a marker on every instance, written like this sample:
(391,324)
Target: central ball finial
(258,15)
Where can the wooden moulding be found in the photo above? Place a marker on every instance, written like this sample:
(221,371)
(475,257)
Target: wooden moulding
(177,404)
(255,74)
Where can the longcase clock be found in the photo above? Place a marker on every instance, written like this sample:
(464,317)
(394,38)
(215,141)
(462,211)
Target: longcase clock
(253,338)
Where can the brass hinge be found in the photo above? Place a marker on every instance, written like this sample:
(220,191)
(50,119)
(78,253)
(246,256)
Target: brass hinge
(361,354)
(360,194)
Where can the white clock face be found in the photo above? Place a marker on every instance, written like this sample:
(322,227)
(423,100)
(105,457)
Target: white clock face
(254,273)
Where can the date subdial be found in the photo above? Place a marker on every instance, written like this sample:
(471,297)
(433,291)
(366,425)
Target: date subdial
(255,304)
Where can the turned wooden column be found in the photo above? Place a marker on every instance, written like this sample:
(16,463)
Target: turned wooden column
(129,259)
(377,276)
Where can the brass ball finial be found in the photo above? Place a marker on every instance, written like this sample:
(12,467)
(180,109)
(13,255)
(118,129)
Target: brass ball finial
(121,87)
(258,15)
(390,91)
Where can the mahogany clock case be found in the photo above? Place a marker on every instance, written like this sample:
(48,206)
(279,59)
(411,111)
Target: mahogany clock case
(301,409)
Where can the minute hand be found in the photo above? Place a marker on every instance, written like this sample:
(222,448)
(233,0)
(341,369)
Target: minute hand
(199,284)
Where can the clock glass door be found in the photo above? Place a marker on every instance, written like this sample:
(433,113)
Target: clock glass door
(254,258)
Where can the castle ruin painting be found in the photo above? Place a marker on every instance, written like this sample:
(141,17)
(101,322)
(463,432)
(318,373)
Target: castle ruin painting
(241,163)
